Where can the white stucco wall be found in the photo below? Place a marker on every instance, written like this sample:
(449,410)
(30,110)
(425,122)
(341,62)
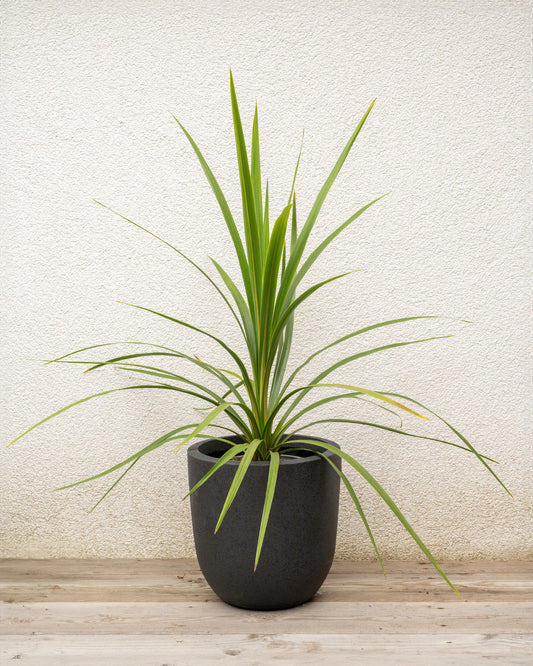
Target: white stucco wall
(86,91)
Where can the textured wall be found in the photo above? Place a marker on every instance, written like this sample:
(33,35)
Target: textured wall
(86,92)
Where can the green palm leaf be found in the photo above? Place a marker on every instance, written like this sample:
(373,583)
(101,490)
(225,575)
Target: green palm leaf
(301,243)
(481,458)
(223,204)
(251,223)
(255,173)
(233,451)
(344,338)
(355,500)
(353,357)
(90,397)
(208,419)
(237,479)
(387,499)
(269,497)
(114,484)
(182,254)
(389,429)
(324,244)
(167,437)
(224,346)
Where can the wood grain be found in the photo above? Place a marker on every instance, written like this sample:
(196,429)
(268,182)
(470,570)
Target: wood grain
(162,612)
(265,649)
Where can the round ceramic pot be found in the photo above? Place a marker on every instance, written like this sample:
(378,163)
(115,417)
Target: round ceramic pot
(300,537)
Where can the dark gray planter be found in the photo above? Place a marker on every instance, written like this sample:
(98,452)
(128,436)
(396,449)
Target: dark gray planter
(300,538)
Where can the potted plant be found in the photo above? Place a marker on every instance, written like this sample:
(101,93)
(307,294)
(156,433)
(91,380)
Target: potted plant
(264,493)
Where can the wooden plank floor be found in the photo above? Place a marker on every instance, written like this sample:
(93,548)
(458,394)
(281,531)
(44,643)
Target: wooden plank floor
(162,613)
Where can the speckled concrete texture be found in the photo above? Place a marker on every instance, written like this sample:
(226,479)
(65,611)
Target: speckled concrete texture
(86,90)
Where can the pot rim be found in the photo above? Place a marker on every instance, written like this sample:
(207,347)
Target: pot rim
(194,451)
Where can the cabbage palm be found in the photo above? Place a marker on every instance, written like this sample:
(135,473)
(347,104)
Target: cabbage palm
(262,401)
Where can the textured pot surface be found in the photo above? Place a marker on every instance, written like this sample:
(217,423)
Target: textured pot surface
(300,538)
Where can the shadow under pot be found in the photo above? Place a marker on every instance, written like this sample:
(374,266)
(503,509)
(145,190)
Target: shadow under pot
(299,543)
